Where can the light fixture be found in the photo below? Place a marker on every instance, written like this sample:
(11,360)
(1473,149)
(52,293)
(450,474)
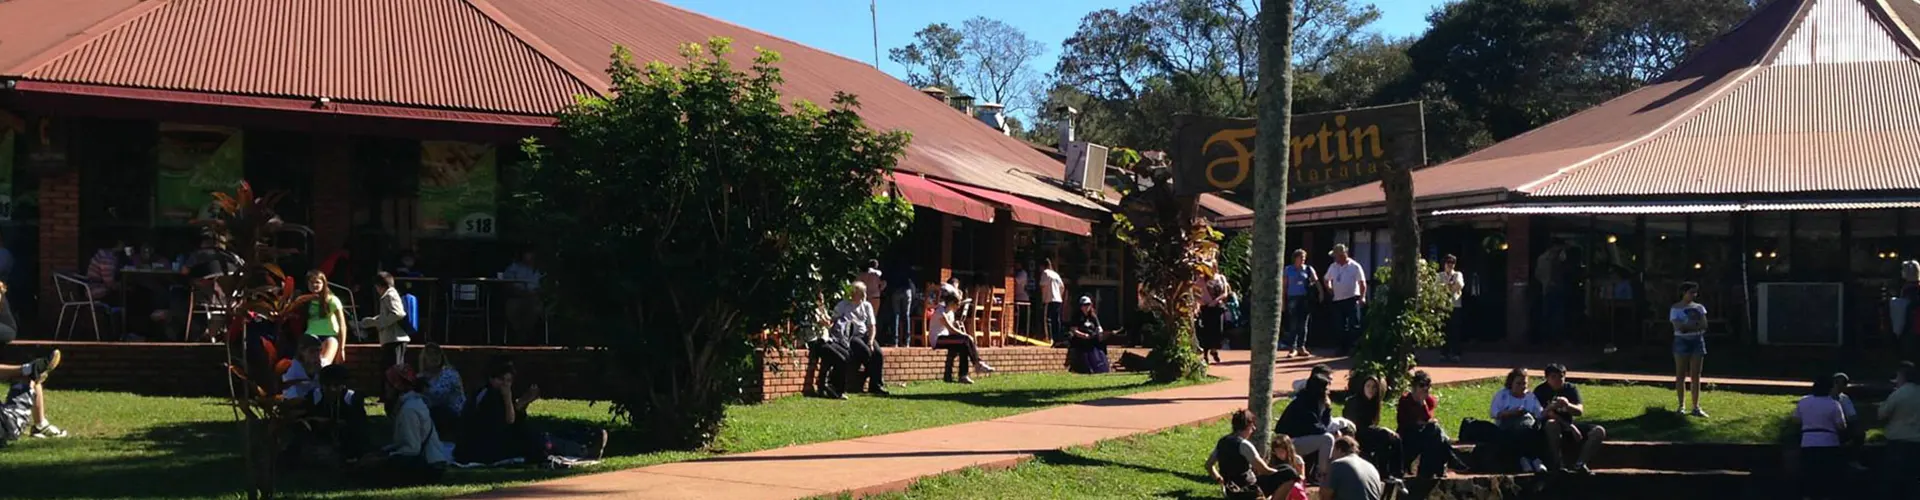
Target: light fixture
(1503,246)
(1757,254)
(1882,255)
(1663,237)
(1773,255)
(1698,265)
(1613,238)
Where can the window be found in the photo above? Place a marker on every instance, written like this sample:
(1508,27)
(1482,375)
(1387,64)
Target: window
(1876,244)
(1818,245)
(1771,250)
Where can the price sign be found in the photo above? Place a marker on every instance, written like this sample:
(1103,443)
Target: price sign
(476,225)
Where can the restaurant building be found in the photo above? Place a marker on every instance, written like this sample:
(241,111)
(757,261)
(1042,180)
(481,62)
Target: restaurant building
(393,125)
(1779,168)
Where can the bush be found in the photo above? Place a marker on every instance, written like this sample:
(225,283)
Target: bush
(1396,327)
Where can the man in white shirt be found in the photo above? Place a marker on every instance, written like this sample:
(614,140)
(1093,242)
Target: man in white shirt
(1053,291)
(1346,282)
(855,317)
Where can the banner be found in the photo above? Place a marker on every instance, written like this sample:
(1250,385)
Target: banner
(7,146)
(459,183)
(195,162)
(1346,147)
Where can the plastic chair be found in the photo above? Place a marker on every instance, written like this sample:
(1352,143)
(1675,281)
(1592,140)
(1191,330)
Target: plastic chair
(76,297)
(470,299)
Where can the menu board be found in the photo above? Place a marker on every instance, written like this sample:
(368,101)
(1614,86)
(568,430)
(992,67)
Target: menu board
(195,162)
(459,184)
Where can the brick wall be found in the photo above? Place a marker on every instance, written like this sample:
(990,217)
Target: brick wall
(59,235)
(786,372)
(196,369)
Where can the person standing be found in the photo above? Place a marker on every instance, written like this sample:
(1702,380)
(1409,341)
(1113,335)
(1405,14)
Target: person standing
(872,279)
(1689,320)
(391,322)
(1350,477)
(523,300)
(900,308)
(1022,301)
(855,317)
(1822,420)
(326,318)
(1347,284)
(1456,329)
(1212,289)
(1053,291)
(1901,412)
(1303,285)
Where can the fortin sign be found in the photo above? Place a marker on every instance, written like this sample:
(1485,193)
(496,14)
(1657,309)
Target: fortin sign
(1347,146)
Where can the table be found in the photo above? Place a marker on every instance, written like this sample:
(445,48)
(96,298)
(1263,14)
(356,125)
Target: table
(480,305)
(161,280)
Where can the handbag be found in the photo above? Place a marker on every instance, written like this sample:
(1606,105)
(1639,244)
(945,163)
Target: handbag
(1316,290)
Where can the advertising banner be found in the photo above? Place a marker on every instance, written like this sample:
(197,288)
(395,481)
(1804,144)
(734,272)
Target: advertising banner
(459,188)
(195,162)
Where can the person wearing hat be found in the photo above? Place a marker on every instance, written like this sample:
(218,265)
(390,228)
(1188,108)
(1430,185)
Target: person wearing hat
(1346,282)
(1086,344)
(1237,466)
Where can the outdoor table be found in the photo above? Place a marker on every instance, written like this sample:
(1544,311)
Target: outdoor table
(484,292)
(161,279)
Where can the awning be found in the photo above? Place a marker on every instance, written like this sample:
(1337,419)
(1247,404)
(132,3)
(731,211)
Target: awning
(1027,212)
(923,192)
(1654,208)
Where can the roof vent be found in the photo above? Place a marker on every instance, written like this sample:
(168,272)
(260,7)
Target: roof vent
(992,114)
(936,93)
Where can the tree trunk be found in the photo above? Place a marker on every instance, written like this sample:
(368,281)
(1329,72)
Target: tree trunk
(1397,182)
(1275,100)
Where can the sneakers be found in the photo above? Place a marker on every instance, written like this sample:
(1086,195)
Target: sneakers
(1580,468)
(597,445)
(1698,412)
(38,369)
(966,380)
(984,367)
(1532,465)
(48,431)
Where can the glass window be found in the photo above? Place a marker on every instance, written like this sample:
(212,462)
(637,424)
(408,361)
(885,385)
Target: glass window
(1363,249)
(1771,248)
(1817,244)
(1666,247)
(1876,244)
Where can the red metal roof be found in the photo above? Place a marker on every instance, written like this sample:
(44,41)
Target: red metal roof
(923,192)
(1028,212)
(506,56)
(1799,98)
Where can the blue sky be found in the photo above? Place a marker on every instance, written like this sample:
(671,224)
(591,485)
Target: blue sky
(843,27)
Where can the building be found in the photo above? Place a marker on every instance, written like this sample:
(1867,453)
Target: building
(1779,168)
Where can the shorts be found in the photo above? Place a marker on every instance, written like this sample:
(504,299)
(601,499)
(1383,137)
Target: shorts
(16,413)
(1690,346)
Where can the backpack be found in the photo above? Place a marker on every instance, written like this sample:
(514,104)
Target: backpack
(411,324)
(1473,430)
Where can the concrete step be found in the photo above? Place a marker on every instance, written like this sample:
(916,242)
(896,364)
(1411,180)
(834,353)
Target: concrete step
(1602,484)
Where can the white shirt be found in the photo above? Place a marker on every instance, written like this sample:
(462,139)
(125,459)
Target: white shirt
(1020,286)
(856,316)
(1679,314)
(413,432)
(1212,291)
(936,327)
(1052,288)
(1455,282)
(1505,400)
(1346,279)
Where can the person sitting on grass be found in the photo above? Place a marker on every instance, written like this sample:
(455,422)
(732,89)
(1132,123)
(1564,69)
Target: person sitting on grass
(1514,411)
(24,412)
(1236,465)
(445,394)
(950,335)
(333,423)
(1350,477)
(1087,342)
(1560,405)
(1382,445)
(1307,419)
(417,455)
(1422,435)
(1856,434)
(497,432)
(302,377)
(1285,454)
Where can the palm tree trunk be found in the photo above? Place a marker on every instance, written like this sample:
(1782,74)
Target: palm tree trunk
(1275,101)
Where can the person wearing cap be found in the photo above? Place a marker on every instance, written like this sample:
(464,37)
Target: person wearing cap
(1346,282)
(1086,346)
(1237,466)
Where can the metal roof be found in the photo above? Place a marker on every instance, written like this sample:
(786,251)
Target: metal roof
(1655,208)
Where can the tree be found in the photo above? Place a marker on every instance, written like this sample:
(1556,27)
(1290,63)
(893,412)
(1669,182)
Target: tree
(692,210)
(1173,246)
(933,59)
(999,62)
(1270,207)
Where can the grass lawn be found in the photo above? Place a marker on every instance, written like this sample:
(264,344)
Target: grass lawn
(128,446)
(1168,464)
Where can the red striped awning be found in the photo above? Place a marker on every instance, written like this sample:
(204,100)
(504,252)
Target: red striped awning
(924,192)
(1027,212)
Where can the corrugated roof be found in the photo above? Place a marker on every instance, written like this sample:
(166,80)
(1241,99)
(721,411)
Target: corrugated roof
(1657,208)
(506,56)
(1723,122)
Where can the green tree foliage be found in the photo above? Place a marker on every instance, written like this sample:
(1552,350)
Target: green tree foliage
(1172,247)
(985,58)
(1398,326)
(933,59)
(1236,259)
(694,210)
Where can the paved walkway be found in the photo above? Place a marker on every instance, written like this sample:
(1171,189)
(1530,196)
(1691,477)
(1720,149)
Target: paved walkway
(891,462)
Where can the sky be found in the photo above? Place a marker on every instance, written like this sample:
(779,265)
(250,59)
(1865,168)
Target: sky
(844,26)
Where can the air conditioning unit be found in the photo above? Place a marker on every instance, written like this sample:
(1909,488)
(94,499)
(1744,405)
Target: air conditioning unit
(1086,166)
(1810,314)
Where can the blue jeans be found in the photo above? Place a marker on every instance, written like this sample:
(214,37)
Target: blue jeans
(1694,345)
(1056,328)
(1299,310)
(1348,312)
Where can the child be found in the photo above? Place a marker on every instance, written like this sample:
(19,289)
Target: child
(1284,453)
(1689,320)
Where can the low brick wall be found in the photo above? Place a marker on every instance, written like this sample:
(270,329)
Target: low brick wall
(179,369)
(785,372)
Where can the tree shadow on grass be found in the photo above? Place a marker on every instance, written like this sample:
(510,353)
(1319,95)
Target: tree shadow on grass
(1070,459)
(1656,423)
(1019,398)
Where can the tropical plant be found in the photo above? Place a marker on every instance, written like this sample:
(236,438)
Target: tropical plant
(1397,327)
(1173,246)
(693,209)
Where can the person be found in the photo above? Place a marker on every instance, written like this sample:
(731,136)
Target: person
(1901,414)
(1285,454)
(1905,317)
(950,335)
(1308,419)
(1689,320)
(6,262)
(103,270)
(1302,283)
(1053,291)
(1514,411)
(1381,445)
(1456,330)
(1560,408)
(1821,422)
(1213,291)
(1350,477)
(445,393)
(417,454)
(900,307)
(1022,301)
(408,265)
(24,411)
(1087,346)
(497,429)
(1347,283)
(302,377)
(333,426)
(326,318)
(391,322)
(872,278)
(35,370)
(1236,465)
(856,314)
(828,349)
(523,299)
(1855,435)
(1549,270)
(1422,436)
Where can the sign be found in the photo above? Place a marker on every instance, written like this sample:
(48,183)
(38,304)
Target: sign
(459,182)
(1345,147)
(195,162)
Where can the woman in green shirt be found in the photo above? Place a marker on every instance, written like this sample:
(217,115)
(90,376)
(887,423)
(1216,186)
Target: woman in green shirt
(326,318)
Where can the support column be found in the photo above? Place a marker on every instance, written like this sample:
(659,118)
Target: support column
(59,237)
(1519,275)
(332,198)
